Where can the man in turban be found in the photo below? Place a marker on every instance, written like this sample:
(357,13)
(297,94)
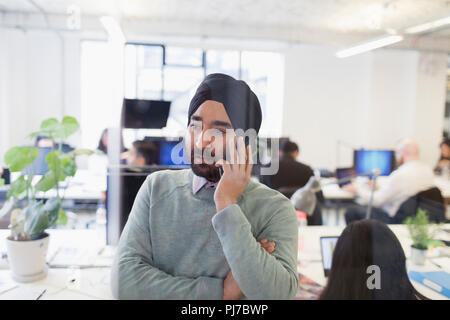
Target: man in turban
(210,232)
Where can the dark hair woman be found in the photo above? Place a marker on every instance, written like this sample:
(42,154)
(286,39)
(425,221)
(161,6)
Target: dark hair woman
(103,142)
(444,159)
(362,244)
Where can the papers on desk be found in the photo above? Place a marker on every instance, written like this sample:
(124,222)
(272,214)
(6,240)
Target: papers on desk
(6,284)
(442,262)
(66,257)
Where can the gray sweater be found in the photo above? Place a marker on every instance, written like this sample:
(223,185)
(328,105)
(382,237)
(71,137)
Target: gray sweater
(175,246)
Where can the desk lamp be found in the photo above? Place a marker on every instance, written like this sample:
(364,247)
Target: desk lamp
(304,199)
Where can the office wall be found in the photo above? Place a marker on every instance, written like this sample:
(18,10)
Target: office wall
(325,103)
(4,111)
(428,122)
(370,100)
(39,78)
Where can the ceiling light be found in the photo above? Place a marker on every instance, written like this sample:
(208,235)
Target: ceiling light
(370,45)
(428,26)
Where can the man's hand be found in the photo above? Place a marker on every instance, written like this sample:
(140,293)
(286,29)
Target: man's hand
(236,175)
(231,290)
(267,245)
(351,187)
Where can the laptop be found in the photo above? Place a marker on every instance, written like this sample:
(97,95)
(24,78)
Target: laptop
(342,173)
(327,245)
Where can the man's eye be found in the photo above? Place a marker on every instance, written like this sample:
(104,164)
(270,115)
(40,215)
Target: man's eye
(195,126)
(222,131)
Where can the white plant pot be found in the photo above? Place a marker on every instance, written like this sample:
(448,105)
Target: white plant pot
(418,256)
(27,259)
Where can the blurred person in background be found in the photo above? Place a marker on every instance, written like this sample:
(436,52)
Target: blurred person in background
(365,244)
(444,159)
(411,177)
(291,173)
(44,142)
(142,153)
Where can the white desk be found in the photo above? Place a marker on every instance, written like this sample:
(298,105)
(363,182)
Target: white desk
(332,191)
(92,283)
(310,260)
(85,185)
(95,283)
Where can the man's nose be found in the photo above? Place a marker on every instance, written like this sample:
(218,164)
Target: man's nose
(202,140)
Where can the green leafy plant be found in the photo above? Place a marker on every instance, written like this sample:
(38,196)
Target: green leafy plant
(31,217)
(421,230)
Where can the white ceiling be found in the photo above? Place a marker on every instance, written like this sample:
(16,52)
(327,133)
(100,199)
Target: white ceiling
(294,19)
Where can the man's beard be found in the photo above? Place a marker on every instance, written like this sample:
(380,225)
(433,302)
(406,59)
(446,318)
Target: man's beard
(208,171)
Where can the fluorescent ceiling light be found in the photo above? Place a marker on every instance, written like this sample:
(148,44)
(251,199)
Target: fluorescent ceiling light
(368,46)
(428,26)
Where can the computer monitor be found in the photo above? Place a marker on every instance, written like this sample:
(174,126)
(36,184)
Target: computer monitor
(164,147)
(145,114)
(165,153)
(131,180)
(343,173)
(367,160)
(39,166)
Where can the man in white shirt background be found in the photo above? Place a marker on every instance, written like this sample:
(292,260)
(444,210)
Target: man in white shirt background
(411,177)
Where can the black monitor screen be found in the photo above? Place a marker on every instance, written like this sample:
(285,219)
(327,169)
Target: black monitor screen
(145,114)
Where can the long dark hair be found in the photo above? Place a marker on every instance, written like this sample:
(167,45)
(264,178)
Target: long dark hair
(362,244)
(446,141)
(102,147)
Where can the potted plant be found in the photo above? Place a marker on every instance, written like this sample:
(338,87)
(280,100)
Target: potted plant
(30,216)
(422,233)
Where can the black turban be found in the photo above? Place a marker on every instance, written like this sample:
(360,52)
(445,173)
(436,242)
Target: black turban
(241,104)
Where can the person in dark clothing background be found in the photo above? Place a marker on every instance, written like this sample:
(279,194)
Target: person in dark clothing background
(291,176)
(142,153)
(291,173)
(364,244)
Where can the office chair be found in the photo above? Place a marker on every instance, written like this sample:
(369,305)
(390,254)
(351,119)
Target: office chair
(316,218)
(430,200)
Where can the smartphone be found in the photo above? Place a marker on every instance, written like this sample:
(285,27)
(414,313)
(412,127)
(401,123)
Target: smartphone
(220,168)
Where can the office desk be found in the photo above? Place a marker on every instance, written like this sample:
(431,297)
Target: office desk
(94,283)
(85,185)
(310,259)
(332,191)
(89,283)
